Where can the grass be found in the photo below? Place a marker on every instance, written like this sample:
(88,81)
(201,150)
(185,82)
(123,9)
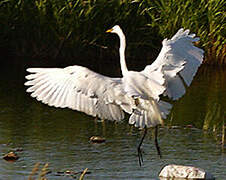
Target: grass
(70,28)
(40,174)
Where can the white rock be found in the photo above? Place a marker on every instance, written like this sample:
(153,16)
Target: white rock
(184,172)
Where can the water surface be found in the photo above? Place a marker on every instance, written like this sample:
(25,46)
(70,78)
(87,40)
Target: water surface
(60,137)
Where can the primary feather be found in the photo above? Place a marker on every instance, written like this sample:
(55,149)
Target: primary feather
(136,93)
(178,62)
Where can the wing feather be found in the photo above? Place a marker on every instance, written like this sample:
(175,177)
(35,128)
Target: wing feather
(178,62)
(80,89)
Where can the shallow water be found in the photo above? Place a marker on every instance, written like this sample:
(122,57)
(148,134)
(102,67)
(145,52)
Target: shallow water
(60,137)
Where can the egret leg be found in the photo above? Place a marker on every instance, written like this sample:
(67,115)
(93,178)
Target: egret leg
(156,142)
(140,157)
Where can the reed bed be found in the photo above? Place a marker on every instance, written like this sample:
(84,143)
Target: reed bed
(70,28)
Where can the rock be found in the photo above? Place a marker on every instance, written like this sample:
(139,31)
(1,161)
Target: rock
(97,139)
(189,126)
(11,156)
(184,172)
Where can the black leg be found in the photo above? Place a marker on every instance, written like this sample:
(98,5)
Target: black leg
(140,157)
(156,142)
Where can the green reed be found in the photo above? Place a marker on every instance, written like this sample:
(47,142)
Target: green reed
(70,28)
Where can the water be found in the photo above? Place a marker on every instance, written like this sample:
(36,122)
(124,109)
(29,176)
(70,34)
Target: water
(60,137)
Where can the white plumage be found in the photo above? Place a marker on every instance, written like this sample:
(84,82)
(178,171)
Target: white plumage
(136,93)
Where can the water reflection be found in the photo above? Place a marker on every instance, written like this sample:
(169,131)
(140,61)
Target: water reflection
(203,106)
(61,136)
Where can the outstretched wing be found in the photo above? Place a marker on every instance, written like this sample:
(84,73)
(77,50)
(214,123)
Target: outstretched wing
(80,89)
(178,62)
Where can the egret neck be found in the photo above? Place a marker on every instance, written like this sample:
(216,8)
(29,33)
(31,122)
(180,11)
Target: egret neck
(122,52)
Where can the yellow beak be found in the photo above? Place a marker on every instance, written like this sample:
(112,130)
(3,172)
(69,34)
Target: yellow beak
(109,30)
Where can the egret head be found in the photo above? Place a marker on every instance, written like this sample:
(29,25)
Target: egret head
(116,29)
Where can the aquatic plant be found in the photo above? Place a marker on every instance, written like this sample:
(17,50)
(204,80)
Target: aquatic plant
(41,174)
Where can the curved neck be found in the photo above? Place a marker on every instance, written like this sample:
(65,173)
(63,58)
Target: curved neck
(122,53)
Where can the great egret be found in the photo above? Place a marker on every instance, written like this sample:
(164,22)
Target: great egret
(136,93)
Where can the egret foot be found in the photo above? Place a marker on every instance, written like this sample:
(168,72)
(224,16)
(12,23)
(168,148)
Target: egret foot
(139,151)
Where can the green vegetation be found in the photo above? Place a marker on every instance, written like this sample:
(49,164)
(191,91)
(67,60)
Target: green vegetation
(70,28)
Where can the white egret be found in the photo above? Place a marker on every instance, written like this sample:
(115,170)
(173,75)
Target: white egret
(136,93)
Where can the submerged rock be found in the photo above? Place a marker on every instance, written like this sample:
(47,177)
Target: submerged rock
(97,139)
(184,172)
(11,156)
